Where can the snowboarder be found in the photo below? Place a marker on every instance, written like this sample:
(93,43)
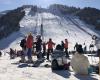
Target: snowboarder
(97,43)
(79,62)
(29,44)
(23,46)
(66,48)
(50,44)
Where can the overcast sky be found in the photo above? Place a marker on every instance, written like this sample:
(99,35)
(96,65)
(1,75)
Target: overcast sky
(11,4)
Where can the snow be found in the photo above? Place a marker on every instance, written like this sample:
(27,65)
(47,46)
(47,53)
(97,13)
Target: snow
(56,27)
(11,70)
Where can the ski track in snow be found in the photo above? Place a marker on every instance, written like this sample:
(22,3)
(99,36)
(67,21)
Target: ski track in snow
(54,27)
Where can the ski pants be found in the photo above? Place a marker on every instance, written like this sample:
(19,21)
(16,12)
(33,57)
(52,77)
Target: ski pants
(39,55)
(44,52)
(29,54)
(66,51)
(23,54)
(48,53)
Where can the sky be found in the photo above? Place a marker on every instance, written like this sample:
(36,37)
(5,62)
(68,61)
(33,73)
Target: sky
(12,4)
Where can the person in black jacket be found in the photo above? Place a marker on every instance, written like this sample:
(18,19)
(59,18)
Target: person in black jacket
(38,44)
(76,46)
(62,44)
(23,46)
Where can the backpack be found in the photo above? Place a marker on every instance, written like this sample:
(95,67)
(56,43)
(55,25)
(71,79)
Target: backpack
(22,43)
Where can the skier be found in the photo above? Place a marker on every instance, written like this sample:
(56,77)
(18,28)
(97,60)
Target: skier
(66,48)
(38,44)
(23,45)
(29,44)
(50,44)
(79,62)
(97,43)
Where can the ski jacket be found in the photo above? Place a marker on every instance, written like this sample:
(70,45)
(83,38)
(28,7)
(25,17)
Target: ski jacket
(50,44)
(66,45)
(29,42)
(80,63)
(23,43)
(38,45)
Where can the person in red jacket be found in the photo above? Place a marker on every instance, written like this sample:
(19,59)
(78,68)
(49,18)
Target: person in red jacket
(29,45)
(50,44)
(66,48)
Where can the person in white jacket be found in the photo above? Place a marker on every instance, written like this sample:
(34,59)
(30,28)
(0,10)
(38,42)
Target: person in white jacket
(79,62)
(97,43)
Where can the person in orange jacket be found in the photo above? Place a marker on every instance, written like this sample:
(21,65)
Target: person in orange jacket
(29,45)
(66,48)
(50,44)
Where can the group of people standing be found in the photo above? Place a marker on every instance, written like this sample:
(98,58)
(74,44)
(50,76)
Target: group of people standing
(32,45)
(41,49)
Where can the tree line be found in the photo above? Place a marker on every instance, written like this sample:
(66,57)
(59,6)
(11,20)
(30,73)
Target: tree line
(89,15)
(9,22)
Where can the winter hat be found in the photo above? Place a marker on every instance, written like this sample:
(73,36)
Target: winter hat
(79,49)
(50,39)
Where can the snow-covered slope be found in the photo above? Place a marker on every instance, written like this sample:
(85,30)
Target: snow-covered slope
(56,27)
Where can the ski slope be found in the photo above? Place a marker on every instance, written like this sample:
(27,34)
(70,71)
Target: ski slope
(56,27)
